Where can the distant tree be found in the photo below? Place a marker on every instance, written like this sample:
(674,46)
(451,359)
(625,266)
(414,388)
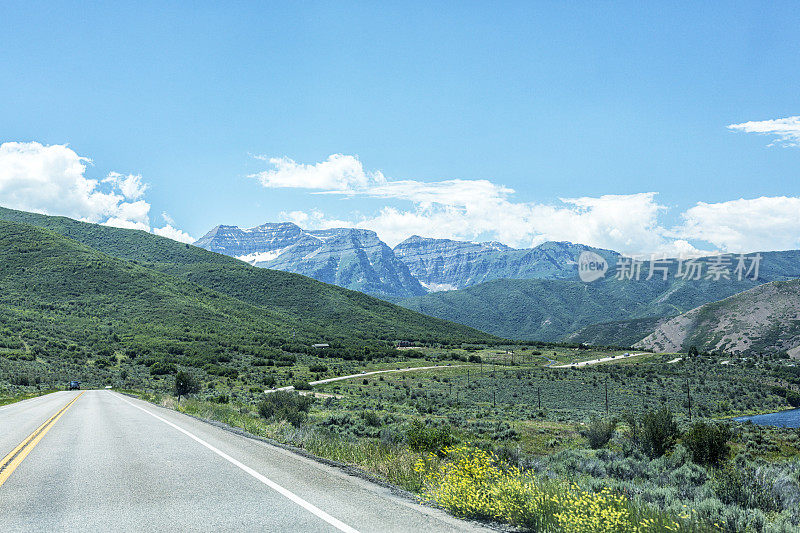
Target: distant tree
(793,397)
(659,431)
(599,431)
(185,383)
(283,405)
(302,385)
(693,351)
(708,443)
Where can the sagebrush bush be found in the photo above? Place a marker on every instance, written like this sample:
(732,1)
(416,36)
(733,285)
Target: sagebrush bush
(740,483)
(708,443)
(282,405)
(421,437)
(659,432)
(599,431)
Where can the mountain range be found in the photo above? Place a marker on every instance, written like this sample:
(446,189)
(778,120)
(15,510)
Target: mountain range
(353,258)
(526,294)
(444,264)
(609,311)
(357,259)
(65,282)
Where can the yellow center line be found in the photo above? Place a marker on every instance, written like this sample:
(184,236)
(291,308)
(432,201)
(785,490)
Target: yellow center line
(11,461)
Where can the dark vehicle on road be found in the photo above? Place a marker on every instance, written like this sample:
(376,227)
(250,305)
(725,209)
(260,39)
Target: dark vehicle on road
(74,385)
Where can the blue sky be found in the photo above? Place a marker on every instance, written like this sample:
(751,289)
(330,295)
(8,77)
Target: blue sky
(551,100)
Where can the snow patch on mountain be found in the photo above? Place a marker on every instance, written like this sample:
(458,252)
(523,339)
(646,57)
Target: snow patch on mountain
(261,257)
(439,287)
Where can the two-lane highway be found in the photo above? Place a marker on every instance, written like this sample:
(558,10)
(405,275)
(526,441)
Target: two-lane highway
(113,463)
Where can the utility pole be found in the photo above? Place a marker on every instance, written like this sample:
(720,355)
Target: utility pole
(468,377)
(606,397)
(494,400)
(689,398)
(539,395)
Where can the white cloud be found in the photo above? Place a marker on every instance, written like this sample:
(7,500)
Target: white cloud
(338,172)
(51,180)
(483,210)
(745,225)
(314,219)
(469,209)
(131,186)
(175,234)
(787,130)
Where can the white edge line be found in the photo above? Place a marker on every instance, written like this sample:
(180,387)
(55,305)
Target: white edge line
(338,524)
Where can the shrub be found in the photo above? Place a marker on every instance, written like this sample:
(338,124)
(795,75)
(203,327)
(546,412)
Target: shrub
(473,483)
(708,443)
(793,397)
(470,483)
(283,405)
(738,483)
(599,432)
(21,380)
(317,369)
(185,383)
(301,385)
(420,437)
(659,431)
(475,359)
(371,418)
(160,368)
(221,371)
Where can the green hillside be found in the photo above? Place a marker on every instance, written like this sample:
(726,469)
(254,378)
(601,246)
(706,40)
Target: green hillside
(619,332)
(550,310)
(325,311)
(58,293)
(765,319)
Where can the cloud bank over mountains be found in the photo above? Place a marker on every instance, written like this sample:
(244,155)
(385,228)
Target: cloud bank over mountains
(481,209)
(52,180)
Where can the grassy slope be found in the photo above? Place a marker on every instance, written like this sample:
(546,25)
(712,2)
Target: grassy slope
(619,332)
(341,312)
(58,291)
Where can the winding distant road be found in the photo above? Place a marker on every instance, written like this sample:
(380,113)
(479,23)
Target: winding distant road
(364,374)
(101,461)
(598,361)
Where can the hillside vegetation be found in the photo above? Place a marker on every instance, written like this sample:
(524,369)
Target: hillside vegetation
(763,319)
(619,332)
(550,310)
(317,311)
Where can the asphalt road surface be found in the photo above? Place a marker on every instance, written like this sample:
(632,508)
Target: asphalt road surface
(107,462)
